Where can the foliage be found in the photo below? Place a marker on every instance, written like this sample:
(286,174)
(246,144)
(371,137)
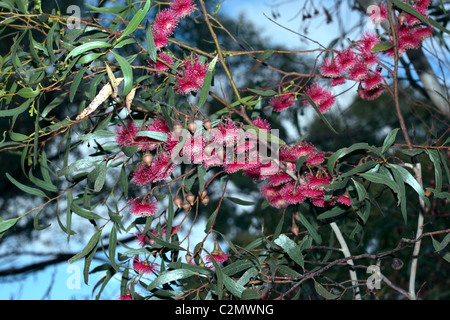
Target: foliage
(121,124)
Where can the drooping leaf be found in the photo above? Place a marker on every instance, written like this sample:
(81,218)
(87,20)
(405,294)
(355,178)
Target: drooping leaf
(91,245)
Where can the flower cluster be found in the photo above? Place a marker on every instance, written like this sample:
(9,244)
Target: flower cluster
(356,64)
(192,74)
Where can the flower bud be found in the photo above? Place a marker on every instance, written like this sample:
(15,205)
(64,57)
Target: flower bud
(186,205)
(402,18)
(190,198)
(192,126)
(147,158)
(178,201)
(207,124)
(205,200)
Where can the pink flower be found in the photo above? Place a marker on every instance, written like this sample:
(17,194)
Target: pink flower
(261,123)
(159,65)
(165,22)
(192,75)
(359,71)
(159,125)
(330,68)
(323,98)
(293,193)
(218,257)
(143,208)
(370,94)
(143,266)
(182,8)
(160,39)
(338,82)
(346,59)
(282,101)
(125,134)
(160,169)
(367,41)
(126,296)
(344,200)
(373,81)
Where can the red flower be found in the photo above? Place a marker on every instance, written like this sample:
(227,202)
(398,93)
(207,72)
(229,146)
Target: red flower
(160,39)
(125,134)
(143,208)
(261,123)
(330,68)
(182,8)
(373,81)
(346,59)
(191,76)
(359,71)
(337,82)
(344,200)
(370,94)
(323,98)
(367,41)
(160,65)
(282,101)
(143,266)
(165,22)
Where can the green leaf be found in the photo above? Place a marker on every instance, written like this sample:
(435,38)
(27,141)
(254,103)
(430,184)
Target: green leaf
(7,224)
(409,179)
(324,292)
(380,47)
(16,111)
(207,82)
(346,151)
(170,276)
(83,212)
(234,288)
(100,180)
(160,136)
(113,9)
(291,249)
(36,222)
(313,104)
(312,231)
(78,165)
(127,73)
(263,93)
(136,21)
(441,245)
(334,212)
(151,47)
(91,245)
(241,202)
(28,93)
(76,83)
(99,134)
(237,266)
(33,191)
(389,140)
(86,47)
(434,157)
(112,246)
(380,178)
